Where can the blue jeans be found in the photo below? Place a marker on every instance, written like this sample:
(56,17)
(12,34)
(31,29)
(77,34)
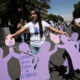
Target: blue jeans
(22,37)
(34,50)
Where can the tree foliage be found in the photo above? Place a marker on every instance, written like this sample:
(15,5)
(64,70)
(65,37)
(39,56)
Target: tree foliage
(76,12)
(54,18)
(9,8)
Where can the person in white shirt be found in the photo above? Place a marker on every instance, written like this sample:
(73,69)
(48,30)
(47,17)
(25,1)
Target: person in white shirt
(52,23)
(19,26)
(37,30)
(77,24)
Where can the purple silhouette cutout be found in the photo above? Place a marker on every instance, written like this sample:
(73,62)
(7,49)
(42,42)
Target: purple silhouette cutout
(4,66)
(42,65)
(74,54)
(66,64)
(74,37)
(25,58)
(41,72)
(3,61)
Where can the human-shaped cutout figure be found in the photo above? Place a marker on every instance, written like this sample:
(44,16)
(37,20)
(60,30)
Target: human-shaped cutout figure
(74,37)
(42,65)
(74,54)
(56,40)
(25,58)
(4,75)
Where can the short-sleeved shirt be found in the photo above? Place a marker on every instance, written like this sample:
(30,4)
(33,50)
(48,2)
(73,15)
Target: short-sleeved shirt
(35,39)
(77,20)
(52,24)
(78,28)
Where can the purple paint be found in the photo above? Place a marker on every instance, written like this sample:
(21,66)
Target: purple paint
(4,61)
(25,59)
(4,75)
(66,64)
(69,45)
(74,37)
(42,65)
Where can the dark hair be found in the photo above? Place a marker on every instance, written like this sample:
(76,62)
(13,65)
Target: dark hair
(40,23)
(73,22)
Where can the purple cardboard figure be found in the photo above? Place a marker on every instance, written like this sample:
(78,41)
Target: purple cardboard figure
(74,37)
(74,54)
(4,66)
(25,58)
(42,65)
(4,75)
(4,61)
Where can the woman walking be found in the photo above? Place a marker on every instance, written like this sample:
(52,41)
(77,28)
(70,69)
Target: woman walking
(37,29)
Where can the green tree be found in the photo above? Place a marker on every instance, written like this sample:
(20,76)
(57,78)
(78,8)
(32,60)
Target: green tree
(10,7)
(60,18)
(45,3)
(76,12)
(54,18)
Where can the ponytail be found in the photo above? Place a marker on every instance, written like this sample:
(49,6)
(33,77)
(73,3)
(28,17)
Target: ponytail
(40,24)
(40,28)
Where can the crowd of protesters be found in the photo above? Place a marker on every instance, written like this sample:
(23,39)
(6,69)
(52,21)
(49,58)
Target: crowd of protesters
(59,25)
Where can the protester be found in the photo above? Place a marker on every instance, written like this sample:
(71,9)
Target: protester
(77,25)
(19,26)
(10,25)
(37,29)
(73,26)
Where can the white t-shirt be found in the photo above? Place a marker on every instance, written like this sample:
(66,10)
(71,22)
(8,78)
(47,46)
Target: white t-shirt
(77,20)
(35,39)
(78,28)
(52,24)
